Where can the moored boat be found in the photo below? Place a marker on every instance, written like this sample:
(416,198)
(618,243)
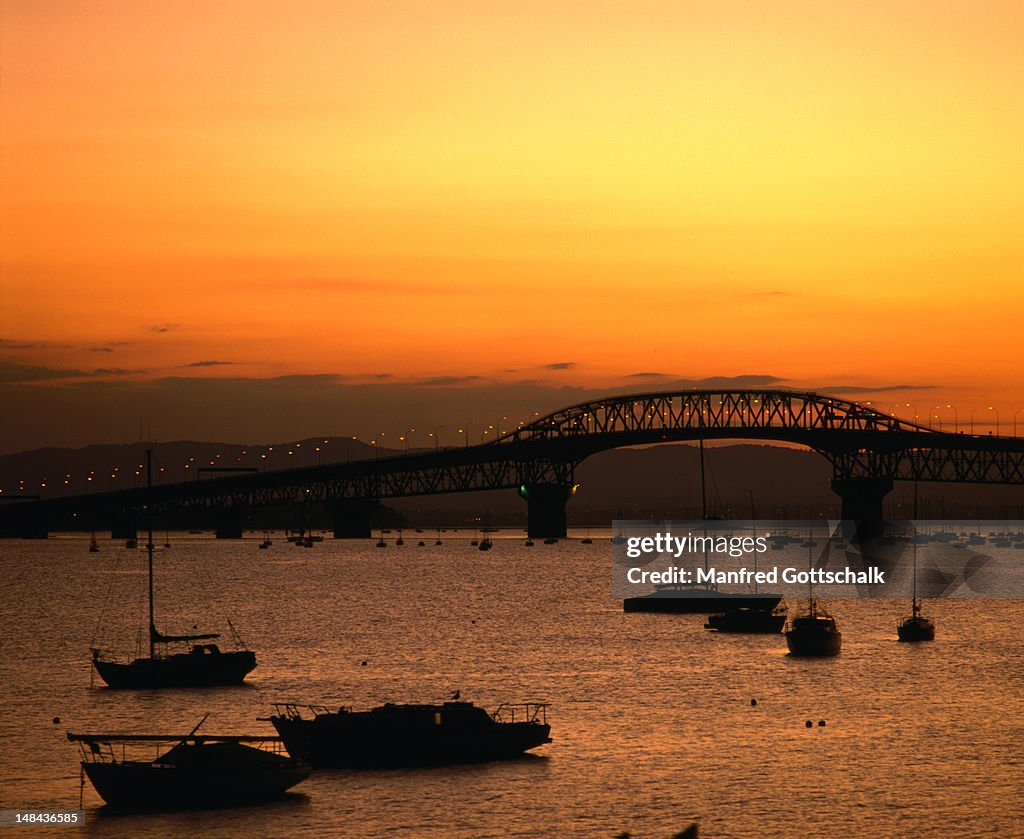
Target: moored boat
(916,627)
(186,771)
(686,599)
(749,621)
(410,735)
(174,660)
(813,633)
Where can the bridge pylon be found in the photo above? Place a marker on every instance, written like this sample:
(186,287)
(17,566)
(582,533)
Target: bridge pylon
(863,504)
(229,522)
(546,509)
(124,526)
(352,519)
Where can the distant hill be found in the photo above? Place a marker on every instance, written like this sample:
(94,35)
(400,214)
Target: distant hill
(660,481)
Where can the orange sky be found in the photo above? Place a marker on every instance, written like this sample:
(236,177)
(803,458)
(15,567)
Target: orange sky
(830,193)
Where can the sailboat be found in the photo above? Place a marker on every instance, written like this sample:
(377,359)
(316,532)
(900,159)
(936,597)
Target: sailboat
(202,665)
(688,598)
(757,621)
(813,633)
(917,627)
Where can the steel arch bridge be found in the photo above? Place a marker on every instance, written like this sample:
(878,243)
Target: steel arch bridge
(868,450)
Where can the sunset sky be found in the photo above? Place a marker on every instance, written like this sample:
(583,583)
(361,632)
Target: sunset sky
(354,215)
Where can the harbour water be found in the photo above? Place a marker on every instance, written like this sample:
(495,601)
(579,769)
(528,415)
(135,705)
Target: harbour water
(652,716)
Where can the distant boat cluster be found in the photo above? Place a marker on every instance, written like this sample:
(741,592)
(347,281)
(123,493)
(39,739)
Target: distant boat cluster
(812,632)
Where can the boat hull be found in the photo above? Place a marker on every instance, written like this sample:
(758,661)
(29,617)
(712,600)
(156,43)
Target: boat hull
(916,629)
(413,736)
(698,601)
(748,621)
(183,670)
(151,785)
(813,637)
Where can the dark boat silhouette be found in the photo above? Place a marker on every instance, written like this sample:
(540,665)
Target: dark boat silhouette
(917,627)
(749,621)
(813,633)
(411,735)
(686,599)
(752,620)
(194,771)
(197,665)
(683,598)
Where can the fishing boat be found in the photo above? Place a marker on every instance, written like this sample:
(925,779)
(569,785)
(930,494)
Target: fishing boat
(410,735)
(917,627)
(175,660)
(748,621)
(163,772)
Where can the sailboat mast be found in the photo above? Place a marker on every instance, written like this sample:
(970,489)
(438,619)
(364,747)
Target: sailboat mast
(704,506)
(149,551)
(913,531)
(703,492)
(753,523)
(812,608)
(913,600)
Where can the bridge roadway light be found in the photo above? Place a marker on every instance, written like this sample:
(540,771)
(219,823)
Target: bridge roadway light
(435,436)
(405,438)
(1018,411)
(956,418)
(988,408)
(895,405)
